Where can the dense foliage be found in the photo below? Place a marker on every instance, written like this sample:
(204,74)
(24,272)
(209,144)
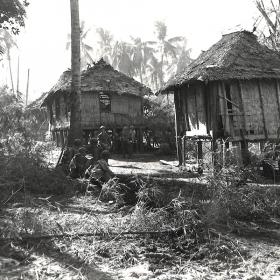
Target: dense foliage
(15,119)
(12,14)
(150,62)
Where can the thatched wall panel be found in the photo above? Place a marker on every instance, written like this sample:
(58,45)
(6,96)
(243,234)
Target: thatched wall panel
(252,108)
(191,108)
(237,114)
(270,106)
(192,116)
(119,104)
(90,110)
(223,108)
(201,110)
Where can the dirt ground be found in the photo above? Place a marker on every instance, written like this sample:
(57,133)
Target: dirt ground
(112,257)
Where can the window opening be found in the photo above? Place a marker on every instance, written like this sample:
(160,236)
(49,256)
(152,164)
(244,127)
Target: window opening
(105,102)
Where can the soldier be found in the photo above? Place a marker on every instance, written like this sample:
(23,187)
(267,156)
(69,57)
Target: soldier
(132,139)
(94,149)
(104,140)
(78,164)
(68,154)
(100,172)
(126,142)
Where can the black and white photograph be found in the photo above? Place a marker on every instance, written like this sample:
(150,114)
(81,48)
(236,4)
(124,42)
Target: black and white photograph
(139,140)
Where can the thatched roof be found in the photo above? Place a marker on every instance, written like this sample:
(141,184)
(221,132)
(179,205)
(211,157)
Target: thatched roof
(237,55)
(100,77)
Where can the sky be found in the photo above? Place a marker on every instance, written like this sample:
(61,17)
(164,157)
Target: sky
(42,43)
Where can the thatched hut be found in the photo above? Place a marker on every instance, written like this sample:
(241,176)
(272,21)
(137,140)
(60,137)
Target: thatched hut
(230,91)
(108,97)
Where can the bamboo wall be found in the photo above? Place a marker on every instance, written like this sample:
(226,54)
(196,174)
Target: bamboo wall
(191,117)
(125,110)
(238,110)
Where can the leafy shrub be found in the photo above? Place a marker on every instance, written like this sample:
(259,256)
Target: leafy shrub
(131,190)
(235,195)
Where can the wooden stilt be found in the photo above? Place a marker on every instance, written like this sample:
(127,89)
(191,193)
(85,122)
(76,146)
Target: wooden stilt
(57,139)
(140,138)
(61,138)
(183,151)
(199,150)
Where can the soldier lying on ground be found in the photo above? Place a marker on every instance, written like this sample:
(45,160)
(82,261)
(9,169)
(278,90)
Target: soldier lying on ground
(100,172)
(78,164)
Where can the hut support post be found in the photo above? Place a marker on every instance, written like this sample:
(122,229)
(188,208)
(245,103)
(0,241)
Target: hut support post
(178,142)
(278,103)
(214,113)
(140,139)
(183,150)
(199,152)
(57,139)
(61,138)
(214,153)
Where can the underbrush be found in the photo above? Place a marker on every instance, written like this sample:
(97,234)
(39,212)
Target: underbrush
(24,170)
(236,195)
(132,190)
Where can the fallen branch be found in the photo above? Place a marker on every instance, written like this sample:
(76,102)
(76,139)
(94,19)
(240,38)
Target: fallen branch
(83,234)
(11,196)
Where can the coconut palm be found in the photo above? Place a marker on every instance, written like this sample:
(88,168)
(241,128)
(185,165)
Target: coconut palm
(154,73)
(184,57)
(121,58)
(85,48)
(167,49)
(7,42)
(75,100)
(105,44)
(141,53)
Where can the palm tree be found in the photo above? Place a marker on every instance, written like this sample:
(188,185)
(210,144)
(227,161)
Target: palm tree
(141,53)
(105,44)
(167,49)
(7,42)
(75,99)
(184,57)
(85,48)
(154,70)
(121,58)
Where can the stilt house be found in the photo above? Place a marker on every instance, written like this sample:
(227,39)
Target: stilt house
(230,91)
(108,97)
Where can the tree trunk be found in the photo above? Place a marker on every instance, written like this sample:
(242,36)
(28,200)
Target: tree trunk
(10,68)
(27,88)
(18,94)
(75,118)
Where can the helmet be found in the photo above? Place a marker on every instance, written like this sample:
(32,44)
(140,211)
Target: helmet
(77,142)
(105,154)
(93,140)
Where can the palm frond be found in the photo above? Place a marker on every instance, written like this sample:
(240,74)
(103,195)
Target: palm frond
(84,34)
(176,39)
(88,47)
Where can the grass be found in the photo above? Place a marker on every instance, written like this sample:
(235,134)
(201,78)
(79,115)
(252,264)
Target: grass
(194,246)
(194,251)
